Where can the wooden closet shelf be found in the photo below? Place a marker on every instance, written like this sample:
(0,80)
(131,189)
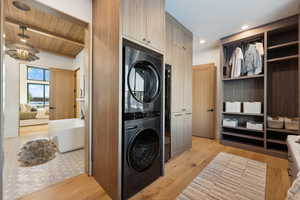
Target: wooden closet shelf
(277,141)
(283,45)
(283,58)
(282,131)
(281,153)
(243,136)
(244,77)
(243,114)
(244,129)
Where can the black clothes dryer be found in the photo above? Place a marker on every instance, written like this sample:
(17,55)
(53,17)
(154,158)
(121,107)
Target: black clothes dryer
(142,154)
(142,82)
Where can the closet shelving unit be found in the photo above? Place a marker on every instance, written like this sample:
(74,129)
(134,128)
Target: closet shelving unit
(277,87)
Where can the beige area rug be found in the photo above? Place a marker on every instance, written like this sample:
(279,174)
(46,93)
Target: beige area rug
(19,181)
(228,177)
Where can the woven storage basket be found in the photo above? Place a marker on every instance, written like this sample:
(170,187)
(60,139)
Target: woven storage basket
(276,122)
(291,124)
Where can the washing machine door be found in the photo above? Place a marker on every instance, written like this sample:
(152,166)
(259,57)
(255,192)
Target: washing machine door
(144,81)
(143,150)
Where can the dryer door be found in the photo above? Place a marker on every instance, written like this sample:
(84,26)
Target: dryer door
(143,150)
(144,82)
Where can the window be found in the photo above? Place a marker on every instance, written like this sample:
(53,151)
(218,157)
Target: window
(38,94)
(38,74)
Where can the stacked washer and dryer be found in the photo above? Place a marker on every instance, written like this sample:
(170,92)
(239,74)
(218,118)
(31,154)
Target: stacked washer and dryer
(142,155)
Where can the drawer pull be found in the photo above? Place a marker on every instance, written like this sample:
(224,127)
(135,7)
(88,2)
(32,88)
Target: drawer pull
(177,115)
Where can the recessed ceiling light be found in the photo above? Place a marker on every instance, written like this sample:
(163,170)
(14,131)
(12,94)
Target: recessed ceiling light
(4,36)
(202,41)
(244,27)
(20,5)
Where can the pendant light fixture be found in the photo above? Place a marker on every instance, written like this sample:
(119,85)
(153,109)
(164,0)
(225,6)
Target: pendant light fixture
(21,50)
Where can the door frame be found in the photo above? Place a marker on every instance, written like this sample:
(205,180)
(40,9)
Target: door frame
(87,85)
(1,97)
(214,67)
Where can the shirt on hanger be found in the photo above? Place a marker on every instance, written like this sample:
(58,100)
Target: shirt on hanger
(235,62)
(253,59)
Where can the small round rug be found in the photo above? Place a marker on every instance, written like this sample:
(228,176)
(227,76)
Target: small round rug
(37,152)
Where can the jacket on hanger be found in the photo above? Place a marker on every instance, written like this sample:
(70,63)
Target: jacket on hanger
(236,62)
(253,59)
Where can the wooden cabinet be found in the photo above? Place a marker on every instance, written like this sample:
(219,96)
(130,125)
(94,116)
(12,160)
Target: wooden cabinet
(187,131)
(155,23)
(169,40)
(134,19)
(181,133)
(177,134)
(177,79)
(144,22)
(178,53)
(188,76)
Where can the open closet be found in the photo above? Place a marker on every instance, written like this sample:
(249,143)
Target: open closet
(260,106)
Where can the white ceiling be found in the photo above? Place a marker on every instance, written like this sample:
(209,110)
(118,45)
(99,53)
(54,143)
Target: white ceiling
(213,19)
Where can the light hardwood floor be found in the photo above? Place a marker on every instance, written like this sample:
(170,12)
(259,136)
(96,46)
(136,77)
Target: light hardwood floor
(31,130)
(180,171)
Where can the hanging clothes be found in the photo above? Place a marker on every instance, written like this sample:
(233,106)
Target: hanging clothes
(253,59)
(236,62)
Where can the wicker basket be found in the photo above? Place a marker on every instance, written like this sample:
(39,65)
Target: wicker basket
(276,122)
(291,124)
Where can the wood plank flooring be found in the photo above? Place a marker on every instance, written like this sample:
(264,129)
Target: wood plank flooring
(180,171)
(31,130)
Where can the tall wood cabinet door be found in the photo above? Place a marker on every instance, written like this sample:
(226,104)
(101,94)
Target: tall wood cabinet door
(177,134)
(188,76)
(155,23)
(177,80)
(169,41)
(178,35)
(134,19)
(187,134)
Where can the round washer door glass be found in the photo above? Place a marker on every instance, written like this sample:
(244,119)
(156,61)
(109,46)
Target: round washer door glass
(143,150)
(143,81)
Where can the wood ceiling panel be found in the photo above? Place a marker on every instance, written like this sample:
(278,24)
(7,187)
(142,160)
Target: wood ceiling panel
(44,43)
(47,32)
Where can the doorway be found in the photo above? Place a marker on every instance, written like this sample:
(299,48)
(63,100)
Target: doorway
(46,60)
(204,100)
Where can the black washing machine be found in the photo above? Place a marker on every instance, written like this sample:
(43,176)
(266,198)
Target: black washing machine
(142,107)
(142,82)
(142,154)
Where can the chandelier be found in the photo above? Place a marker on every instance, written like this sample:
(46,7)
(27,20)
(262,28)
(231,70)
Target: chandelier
(21,50)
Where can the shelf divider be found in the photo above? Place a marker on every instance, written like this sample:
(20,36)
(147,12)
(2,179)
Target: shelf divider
(283,58)
(283,131)
(243,114)
(283,45)
(244,77)
(244,129)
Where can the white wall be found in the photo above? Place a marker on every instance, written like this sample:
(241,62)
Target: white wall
(12,86)
(81,9)
(205,56)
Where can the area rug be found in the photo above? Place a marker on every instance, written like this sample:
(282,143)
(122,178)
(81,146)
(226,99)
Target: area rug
(228,177)
(20,181)
(37,152)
